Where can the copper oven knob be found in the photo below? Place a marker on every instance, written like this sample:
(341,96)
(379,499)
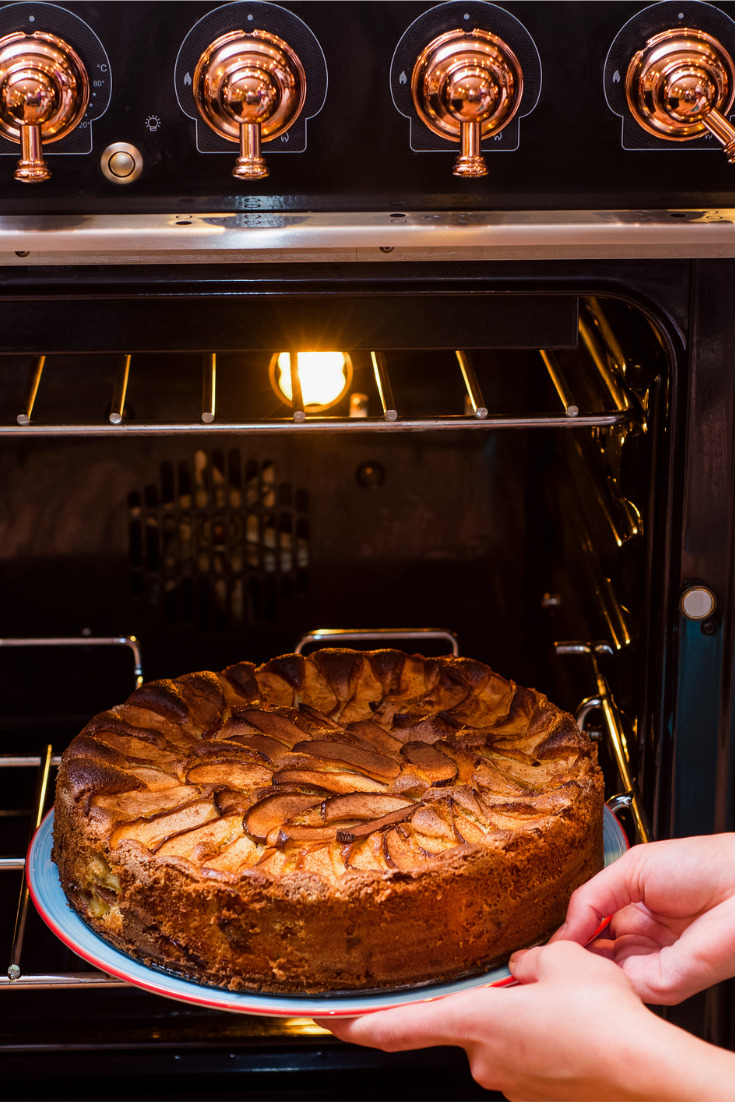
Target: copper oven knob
(682,84)
(466,85)
(249,87)
(44,92)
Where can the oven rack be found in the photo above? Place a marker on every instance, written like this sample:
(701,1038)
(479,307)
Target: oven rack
(612,723)
(610,396)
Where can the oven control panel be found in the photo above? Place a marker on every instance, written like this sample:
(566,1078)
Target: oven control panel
(148,107)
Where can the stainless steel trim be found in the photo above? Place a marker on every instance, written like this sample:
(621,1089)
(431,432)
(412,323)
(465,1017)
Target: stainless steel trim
(85,641)
(472,384)
(356,635)
(319,424)
(263,236)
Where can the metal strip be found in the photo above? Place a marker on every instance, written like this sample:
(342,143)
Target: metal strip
(34,381)
(120,391)
(315,424)
(560,384)
(385,390)
(85,641)
(297,396)
(39,806)
(61,980)
(510,234)
(614,728)
(209,387)
(355,635)
(471,382)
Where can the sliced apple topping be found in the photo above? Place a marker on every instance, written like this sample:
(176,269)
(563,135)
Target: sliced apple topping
(198,843)
(154,779)
(154,832)
(367,761)
(363,805)
(133,805)
(272,812)
(332,781)
(270,749)
(402,851)
(435,766)
(375,736)
(230,774)
(346,833)
(241,854)
(273,724)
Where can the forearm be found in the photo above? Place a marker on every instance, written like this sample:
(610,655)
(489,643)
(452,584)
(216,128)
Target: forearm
(665,1062)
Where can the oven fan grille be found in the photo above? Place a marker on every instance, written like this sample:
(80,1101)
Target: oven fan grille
(219,542)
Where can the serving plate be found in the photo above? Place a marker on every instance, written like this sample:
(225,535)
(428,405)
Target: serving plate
(50,901)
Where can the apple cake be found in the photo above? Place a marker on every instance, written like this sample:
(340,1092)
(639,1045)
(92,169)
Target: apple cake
(347,820)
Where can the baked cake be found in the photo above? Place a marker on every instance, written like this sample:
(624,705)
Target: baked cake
(346,820)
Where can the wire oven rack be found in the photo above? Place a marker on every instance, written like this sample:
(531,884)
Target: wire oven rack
(611,401)
(602,700)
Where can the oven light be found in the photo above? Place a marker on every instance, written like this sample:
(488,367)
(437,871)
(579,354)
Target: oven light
(325,377)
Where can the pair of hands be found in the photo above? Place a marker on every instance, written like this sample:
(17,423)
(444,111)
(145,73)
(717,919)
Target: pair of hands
(576,1026)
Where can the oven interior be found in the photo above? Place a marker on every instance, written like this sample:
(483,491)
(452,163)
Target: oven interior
(505,498)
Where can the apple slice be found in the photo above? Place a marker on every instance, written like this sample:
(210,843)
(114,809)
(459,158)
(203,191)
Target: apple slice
(402,851)
(229,802)
(366,854)
(367,761)
(137,749)
(332,781)
(135,805)
(154,832)
(155,780)
(209,838)
(348,833)
(375,736)
(230,774)
(269,748)
(294,832)
(272,812)
(364,805)
(273,724)
(430,762)
(241,854)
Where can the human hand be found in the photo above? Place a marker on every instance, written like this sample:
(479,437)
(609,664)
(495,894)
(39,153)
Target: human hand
(673,907)
(574,1029)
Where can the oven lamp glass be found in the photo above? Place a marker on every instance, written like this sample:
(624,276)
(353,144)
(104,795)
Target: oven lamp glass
(325,377)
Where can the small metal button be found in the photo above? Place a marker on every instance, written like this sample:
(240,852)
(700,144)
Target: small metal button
(121,163)
(698,602)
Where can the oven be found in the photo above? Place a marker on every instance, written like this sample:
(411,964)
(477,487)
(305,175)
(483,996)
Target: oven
(512,244)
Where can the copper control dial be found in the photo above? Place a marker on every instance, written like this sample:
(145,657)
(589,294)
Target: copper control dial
(249,87)
(682,84)
(466,85)
(44,92)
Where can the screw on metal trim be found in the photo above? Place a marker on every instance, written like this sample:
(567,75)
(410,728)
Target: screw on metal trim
(14,972)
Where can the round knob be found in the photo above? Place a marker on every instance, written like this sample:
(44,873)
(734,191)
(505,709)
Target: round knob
(682,84)
(249,87)
(465,86)
(44,92)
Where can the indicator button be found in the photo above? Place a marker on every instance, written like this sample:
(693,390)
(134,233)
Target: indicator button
(121,163)
(698,602)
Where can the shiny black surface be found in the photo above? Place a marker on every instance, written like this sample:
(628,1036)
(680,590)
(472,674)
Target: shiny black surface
(358,154)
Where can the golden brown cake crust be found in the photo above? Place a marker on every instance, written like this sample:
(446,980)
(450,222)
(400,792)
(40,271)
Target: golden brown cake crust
(347,820)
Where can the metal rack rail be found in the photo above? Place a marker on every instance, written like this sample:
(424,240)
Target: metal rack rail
(616,406)
(43,764)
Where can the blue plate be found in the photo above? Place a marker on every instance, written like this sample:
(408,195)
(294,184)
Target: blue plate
(50,901)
